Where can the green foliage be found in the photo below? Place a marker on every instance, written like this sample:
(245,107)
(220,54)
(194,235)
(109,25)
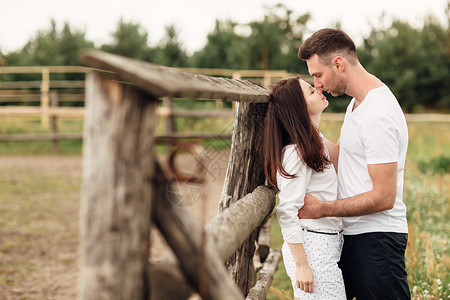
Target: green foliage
(274,41)
(225,49)
(170,52)
(268,44)
(414,63)
(51,47)
(439,165)
(130,40)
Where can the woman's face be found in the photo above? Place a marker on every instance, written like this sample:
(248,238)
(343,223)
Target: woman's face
(315,101)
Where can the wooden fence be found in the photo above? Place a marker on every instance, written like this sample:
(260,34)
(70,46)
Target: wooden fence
(50,95)
(125,191)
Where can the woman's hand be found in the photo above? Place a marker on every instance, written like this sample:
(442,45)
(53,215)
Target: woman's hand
(304,278)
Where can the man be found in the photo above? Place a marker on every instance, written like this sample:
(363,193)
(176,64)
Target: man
(372,152)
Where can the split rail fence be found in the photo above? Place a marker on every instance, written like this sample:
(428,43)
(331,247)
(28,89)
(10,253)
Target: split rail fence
(47,97)
(125,190)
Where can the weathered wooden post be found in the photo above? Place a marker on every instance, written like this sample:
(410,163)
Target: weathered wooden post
(244,174)
(117,187)
(45,89)
(54,121)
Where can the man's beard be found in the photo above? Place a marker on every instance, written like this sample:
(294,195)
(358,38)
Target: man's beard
(339,87)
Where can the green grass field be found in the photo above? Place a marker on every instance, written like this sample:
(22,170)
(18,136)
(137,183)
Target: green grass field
(23,216)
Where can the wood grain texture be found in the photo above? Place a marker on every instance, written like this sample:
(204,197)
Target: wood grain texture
(229,229)
(160,81)
(118,165)
(244,174)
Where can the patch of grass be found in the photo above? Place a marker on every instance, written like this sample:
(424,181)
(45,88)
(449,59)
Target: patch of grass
(440,165)
(67,147)
(38,229)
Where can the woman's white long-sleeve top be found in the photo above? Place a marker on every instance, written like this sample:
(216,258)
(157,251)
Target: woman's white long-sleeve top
(322,185)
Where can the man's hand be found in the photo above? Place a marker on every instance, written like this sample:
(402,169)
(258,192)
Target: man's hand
(312,209)
(381,197)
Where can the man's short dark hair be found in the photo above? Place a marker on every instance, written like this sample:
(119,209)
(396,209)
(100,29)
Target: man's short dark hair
(327,43)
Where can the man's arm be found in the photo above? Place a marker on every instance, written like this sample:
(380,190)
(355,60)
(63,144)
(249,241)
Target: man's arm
(381,197)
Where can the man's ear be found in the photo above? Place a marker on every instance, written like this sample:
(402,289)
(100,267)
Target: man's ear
(338,63)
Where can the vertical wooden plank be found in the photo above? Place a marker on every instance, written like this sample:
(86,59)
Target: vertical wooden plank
(54,121)
(267,80)
(170,123)
(45,88)
(244,174)
(118,167)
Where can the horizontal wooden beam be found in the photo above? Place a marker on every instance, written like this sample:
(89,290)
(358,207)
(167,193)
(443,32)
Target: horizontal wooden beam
(187,113)
(40,137)
(160,81)
(40,69)
(79,136)
(36,84)
(229,229)
(165,112)
(38,111)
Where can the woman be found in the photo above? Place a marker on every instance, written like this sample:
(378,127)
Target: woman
(297,162)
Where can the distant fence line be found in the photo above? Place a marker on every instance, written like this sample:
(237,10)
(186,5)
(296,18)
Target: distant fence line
(38,90)
(167,112)
(48,94)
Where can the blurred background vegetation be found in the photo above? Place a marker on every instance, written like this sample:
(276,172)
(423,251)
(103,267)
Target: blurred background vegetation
(413,62)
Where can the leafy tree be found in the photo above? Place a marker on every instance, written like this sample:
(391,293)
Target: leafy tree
(272,43)
(225,49)
(51,47)
(2,59)
(413,62)
(170,52)
(130,40)
(275,40)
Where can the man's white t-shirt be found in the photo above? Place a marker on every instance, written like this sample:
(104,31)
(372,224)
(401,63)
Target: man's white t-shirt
(375,132)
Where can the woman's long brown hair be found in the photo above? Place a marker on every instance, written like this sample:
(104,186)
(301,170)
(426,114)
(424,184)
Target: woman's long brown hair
(288,122)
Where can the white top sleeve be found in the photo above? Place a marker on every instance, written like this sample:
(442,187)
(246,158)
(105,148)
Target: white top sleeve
(380,137)
(291,195)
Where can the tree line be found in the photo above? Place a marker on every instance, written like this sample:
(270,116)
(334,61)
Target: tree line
(413,62)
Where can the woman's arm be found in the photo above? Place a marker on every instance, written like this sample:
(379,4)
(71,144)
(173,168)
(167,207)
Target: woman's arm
(303,275)
(292,192)
(333,150)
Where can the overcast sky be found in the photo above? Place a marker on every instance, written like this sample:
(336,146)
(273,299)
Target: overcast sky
(21,19)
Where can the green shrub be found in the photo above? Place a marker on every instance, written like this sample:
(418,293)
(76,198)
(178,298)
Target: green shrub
(439,165)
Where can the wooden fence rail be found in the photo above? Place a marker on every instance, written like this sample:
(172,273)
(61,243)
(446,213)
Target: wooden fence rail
(42,91)
(39,91)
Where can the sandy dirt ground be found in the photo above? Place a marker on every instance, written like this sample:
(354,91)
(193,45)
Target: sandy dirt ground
(57,278)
